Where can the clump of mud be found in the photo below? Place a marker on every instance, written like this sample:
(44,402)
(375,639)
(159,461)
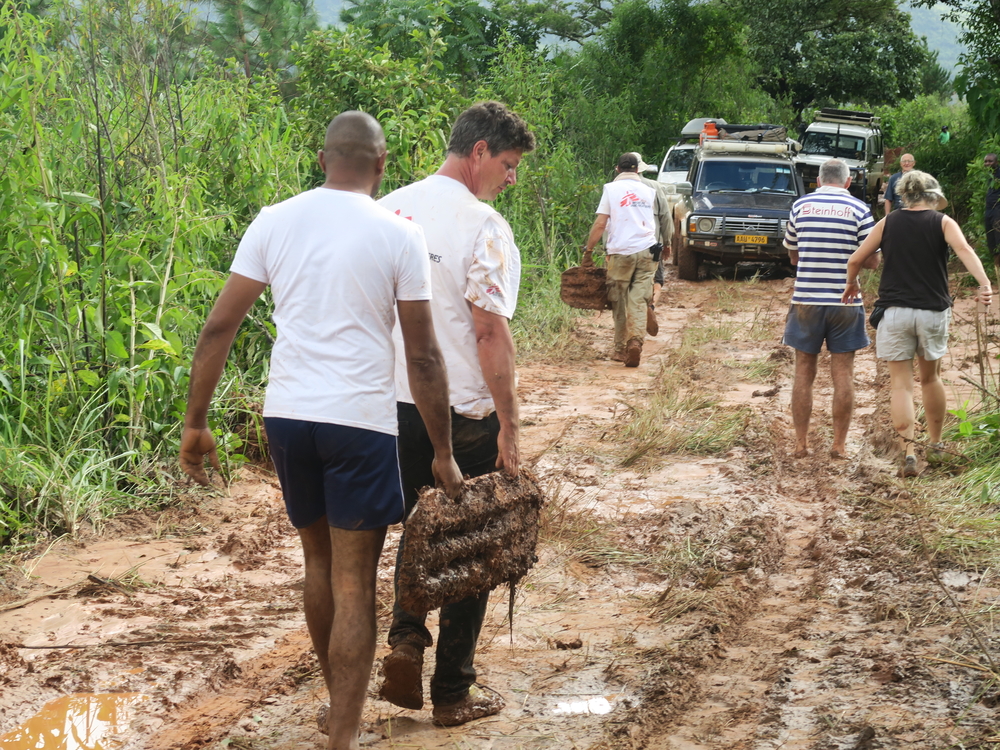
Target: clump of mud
(459,548)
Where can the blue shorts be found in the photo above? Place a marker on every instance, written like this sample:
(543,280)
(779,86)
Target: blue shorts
(347,474)
(842,327)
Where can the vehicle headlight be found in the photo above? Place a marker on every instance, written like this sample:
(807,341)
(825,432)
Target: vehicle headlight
(705,224)
(783,226)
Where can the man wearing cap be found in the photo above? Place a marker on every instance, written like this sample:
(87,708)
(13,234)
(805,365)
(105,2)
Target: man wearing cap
(664,220)
(627,212)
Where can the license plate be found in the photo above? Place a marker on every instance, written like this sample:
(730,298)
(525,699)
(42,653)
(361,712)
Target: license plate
(812,185)
(751,239)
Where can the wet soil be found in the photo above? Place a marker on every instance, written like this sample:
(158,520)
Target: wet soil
(731,597)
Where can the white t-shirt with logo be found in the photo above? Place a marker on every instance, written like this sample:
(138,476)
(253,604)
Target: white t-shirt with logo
(473,261)
(336,263)
(632,224)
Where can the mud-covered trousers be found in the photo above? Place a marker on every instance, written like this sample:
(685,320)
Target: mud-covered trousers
(474,442)
(630,290)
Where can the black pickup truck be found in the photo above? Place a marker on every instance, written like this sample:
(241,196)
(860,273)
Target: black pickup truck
(736,204)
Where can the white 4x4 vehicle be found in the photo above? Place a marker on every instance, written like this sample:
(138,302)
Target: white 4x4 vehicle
(677,162)
(853,137)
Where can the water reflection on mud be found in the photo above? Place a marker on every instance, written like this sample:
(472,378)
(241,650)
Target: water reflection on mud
(82,721)
(596,705)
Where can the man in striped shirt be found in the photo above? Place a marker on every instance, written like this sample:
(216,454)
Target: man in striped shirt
(824,229)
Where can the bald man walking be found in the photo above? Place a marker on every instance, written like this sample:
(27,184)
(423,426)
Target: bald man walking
(339,267)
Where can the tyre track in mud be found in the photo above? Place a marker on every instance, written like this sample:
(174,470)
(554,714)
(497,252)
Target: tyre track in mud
(824,653)
(735,601)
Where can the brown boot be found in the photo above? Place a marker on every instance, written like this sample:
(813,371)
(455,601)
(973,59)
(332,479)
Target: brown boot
(481,701)
(633,352)
(403,685)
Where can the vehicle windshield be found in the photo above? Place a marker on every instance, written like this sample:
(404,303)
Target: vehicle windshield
(678,160)
(837,146)
(745,177)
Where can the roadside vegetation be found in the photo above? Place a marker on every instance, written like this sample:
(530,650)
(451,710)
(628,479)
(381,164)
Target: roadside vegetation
(138,139)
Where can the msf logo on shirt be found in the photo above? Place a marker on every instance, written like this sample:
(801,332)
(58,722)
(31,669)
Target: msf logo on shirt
(631,199)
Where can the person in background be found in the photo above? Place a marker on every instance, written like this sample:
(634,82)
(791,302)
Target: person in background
(339,267)
(626,211)
(475,271)
(914,291)
(664,221)
(890,200)
(992,215)
(824,228)
(945,135)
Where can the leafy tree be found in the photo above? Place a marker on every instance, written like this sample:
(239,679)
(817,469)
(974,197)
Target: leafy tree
(412,99)
(934,79)
(668,62)
(833,51)
(978,81)
(259,33)
(569,21)
(469,31)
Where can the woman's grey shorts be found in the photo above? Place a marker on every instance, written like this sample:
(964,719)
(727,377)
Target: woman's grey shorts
(905,331)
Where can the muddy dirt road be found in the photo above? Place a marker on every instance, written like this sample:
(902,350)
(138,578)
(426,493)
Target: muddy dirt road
(696,587)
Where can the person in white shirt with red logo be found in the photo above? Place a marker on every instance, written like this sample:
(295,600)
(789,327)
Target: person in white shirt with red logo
(475,275)
(626,212)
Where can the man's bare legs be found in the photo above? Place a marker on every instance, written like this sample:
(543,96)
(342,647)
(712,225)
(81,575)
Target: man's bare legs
(842,373)
(932,392)
(340,614)
(901,402)
(802,399)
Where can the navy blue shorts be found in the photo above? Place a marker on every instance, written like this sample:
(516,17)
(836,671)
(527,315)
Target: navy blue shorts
(842,327)
(347,474)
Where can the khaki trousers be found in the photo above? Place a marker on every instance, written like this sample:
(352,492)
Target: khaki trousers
(630,290)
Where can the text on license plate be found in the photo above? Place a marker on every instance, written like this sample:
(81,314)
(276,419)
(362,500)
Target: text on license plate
(751,239)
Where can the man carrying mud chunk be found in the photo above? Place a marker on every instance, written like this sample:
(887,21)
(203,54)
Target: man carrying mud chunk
(824,228)
(475,269)
(627,212)
(339,267)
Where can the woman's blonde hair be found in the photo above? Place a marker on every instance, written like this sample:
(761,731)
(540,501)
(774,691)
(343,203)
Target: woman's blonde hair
(919,187)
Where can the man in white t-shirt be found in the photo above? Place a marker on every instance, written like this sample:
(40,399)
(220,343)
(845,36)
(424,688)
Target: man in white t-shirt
(338,266)
(475,272)
(626,212)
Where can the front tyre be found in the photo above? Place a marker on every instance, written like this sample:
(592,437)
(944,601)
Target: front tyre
(687,263)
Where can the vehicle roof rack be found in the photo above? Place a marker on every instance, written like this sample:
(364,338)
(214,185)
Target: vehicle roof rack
(846,116)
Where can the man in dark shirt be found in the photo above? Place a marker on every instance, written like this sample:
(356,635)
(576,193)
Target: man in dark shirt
(993,208)
(890,201)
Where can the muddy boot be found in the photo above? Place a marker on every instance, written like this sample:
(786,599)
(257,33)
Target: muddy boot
(652,325)
(403,685)
(936,454)
(481,701)
(618,356)
(909,467)
(633,352)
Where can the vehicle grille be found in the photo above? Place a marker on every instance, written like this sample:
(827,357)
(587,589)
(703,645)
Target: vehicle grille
(751,226)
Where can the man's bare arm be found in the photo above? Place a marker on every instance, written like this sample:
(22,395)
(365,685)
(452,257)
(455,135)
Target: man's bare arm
(234,301)
(496,357)
(428,378)
(600,224)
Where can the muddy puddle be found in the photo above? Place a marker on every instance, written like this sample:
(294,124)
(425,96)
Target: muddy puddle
(713,595)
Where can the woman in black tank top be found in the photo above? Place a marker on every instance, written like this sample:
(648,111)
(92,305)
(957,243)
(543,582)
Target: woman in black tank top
(914,293)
